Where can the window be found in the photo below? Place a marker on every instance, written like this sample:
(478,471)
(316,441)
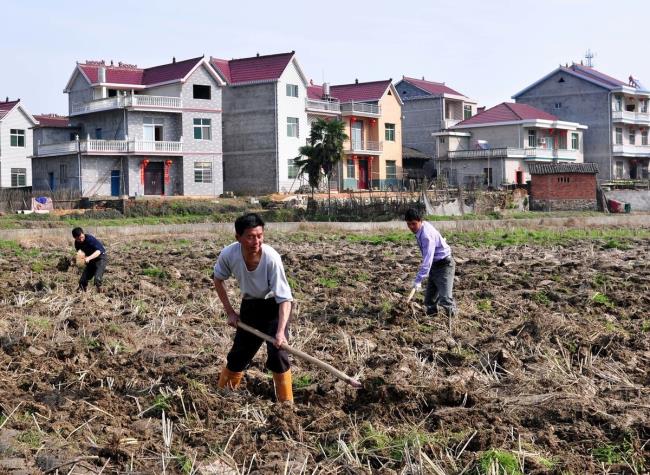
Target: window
(563,179)
(644,106)
(351,169)
(619,169)
(202,172)
(292,90)
(19,177)
(292,127)
(98,133)
(390,132)
(558,105)
(532,138)
(112,92)
(619,136)
(644,137)
(203,129)
(152,128)
(487,176)
(631,136)
(575,141)
(293,169)
(201,92)
(618,103)
(63,173)
(17,137)
(561,142)
(467,112)
(391,169)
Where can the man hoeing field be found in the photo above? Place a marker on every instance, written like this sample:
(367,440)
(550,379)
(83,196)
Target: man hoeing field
(266,304)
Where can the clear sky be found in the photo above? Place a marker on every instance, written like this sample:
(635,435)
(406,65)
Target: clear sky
(485,49)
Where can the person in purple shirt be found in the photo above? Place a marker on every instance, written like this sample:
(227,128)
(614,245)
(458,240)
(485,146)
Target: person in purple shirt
(94,257)
(437,264)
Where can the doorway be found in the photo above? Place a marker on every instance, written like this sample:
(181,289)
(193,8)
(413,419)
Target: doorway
(519,177)
(357,135)
(363,174)
(154,179)
(115,183)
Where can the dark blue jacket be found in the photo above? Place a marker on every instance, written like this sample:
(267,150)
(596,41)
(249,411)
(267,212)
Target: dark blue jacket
(90,245)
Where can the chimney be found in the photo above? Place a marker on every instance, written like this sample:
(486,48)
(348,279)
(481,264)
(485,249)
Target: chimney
(356,81)
(7,99)
(423,78)
(101,74)
(258,55)
(173,59)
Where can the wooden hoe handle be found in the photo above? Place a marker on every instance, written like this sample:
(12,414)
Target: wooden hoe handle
(300,354)
(411,295)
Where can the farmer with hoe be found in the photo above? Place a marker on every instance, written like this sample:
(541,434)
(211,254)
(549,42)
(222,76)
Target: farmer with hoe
(437,264)
(265,306)
(92,256)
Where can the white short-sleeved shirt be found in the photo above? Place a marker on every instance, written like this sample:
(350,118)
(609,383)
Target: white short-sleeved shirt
(266,281)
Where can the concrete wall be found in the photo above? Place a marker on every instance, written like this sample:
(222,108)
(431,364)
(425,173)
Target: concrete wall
(249,138)
(391,113)
(80,92)
(15,157)
(638,199)
(112,123)
(582,102)
(421,117)
(66,177)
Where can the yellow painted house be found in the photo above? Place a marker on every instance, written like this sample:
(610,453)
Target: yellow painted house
(372,112)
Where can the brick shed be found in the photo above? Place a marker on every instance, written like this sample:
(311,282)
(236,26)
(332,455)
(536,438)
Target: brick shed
(563,186)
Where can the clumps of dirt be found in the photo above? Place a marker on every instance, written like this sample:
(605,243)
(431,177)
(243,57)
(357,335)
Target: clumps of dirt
(547,362)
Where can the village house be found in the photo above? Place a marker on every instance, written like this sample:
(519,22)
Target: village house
(563,186)
(615,111)
(430,107)
(264,121)
(138,132)
(15,144)
(495,147)
(372,114)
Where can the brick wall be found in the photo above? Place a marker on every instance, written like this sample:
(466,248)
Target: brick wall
(573,186)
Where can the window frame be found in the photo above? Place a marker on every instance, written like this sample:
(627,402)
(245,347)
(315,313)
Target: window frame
(204,128)
(631,136)
(618,135)
(532,135)
(389,132)
(292,169)
(203,170)
(644,137)
(290,88)
(16,175)
(391,165)
(466,109)
(293,125)
(351,168)
(196,88)
(575,141)
(15,136)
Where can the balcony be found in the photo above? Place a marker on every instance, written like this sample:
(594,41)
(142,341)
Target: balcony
(135,101)
(323,107)
(551,154)
(111,147)
(631,150)
(448,123)
(367,147)
(629,117)
(361,109)
(515,152)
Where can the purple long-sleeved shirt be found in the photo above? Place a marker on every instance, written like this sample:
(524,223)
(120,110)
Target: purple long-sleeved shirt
(433,247)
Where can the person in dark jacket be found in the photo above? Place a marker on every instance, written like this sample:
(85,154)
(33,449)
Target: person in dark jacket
(94,257)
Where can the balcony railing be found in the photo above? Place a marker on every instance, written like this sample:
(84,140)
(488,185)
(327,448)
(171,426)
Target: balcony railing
(360,108)
(367,146)
(323,106)
(111,147)
(632,150)
(628,116)
(515,152)
(135,100)
(450,122)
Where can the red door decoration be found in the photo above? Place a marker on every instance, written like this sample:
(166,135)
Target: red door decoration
(143,167)
(168,166)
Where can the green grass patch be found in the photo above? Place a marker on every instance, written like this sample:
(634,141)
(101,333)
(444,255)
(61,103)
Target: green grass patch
(328,282)
(185,464)
(302,381)
(541,298)
(40,323)
(155,272)
(362,277)
(31,438)
(484,305)
(602,299)
(504,462)
(645,326)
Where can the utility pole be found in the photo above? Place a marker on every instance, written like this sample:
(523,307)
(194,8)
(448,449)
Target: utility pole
(76,137)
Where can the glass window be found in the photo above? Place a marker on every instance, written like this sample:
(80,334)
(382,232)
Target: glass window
(631,136)
(619,136)
(202,172)
(18,177)
(391,169)
(575,141)
(98,133)
(618,103)
(351,168)
(619,169)
(644,137)
(17,137)
(203,129)
(561,141)
(532,138)
(487,176)
(644,106)
(292,127)
(292,90)
(390,132)
(467,112)
(201,92)
(292,168)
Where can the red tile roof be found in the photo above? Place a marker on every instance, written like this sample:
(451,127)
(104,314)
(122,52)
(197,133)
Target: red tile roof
(591,73)
(508,112)
(131,75)
(52,120)
(435,88)
(314,91)
(254,69)
(6,106)
(363,91)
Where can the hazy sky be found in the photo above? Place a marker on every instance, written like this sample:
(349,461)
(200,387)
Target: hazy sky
(485,49)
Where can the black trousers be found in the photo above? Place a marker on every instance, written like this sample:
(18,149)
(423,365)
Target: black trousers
(261,314)
(94,268)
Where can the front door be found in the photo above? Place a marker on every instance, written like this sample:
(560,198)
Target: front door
(115,183)
(50,180)
(363,174)
(154,175)
(519,177)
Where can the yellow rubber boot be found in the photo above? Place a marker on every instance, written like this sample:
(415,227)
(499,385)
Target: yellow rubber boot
(283,389)
(229,379)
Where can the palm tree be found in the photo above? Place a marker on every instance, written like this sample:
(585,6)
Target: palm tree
(323,153)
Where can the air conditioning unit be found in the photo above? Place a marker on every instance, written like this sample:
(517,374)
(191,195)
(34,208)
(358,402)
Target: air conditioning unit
(541,141)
